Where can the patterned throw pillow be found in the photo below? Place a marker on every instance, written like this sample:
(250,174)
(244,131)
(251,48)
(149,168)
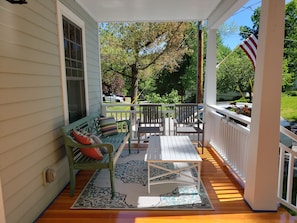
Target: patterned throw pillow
(97,140)
(108,126)
(94,153)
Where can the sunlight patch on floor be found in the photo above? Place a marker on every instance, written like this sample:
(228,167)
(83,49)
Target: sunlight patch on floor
(226,192)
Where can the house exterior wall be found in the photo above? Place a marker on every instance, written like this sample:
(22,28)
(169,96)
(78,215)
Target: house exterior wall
(31,104)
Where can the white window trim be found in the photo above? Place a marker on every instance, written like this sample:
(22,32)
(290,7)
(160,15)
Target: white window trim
(62,10)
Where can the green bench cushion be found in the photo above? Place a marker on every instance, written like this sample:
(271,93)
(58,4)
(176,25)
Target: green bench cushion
(116,140)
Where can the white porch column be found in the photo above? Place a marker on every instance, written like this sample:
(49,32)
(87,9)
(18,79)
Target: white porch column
(263,150)
(210,85)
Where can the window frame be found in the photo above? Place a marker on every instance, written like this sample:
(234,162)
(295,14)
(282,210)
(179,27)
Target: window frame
(63,11)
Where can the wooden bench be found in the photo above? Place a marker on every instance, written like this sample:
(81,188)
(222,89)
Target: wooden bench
(114,144)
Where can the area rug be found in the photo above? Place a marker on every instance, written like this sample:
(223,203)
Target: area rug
(132,190)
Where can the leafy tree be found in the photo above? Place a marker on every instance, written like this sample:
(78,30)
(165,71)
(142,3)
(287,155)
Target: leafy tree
(235,74)
(171,98)
(290,44)
(113,84)
(246,31)
(287,78)
(140,50)
(189,79)
(184,78)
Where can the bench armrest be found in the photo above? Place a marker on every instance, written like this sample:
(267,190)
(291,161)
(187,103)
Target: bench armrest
(73,144)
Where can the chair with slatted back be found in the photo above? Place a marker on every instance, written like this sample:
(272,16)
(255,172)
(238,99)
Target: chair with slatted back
(188,120)
(150,121)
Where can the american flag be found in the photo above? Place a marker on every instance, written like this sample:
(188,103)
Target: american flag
(249,46)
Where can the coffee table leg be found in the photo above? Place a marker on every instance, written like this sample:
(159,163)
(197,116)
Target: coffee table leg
(199,172)
(148,178)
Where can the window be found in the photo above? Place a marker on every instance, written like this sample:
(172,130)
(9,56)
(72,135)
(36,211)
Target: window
(73,64)
(74,69)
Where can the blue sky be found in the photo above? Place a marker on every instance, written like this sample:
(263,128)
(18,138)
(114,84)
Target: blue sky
(241,18)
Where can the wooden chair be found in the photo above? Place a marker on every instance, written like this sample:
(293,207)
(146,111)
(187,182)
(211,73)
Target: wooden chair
(150,121)
(188,120)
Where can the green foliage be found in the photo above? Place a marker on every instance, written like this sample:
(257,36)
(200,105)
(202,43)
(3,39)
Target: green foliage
(287,78)
(140,50)
(113,84)
(158,58)
(291,93)
(246,31)
(290,44)
(235,74)
(290,47)
(183,78)
(171,98)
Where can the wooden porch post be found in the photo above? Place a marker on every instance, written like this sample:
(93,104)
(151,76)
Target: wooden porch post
(263,150)
(210,86)
(199,96)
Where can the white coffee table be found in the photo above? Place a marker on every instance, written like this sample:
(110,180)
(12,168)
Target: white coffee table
(178,150)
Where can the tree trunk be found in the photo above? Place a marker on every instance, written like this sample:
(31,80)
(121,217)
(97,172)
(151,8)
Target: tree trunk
(134,92)
(134,83)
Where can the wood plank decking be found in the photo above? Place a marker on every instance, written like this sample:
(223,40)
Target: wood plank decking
(224,191)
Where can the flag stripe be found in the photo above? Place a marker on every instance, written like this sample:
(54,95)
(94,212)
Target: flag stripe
(249,46)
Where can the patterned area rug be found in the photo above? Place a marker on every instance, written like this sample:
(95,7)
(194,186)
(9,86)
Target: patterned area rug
(132,190)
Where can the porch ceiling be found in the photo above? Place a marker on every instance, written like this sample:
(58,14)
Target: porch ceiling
(215,12)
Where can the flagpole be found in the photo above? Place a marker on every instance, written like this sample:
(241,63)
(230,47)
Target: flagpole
(249,46)
(217,66)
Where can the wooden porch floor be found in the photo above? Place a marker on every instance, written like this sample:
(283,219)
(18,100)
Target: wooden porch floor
(224,191)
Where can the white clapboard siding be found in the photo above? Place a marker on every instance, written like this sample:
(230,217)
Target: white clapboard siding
(31,103)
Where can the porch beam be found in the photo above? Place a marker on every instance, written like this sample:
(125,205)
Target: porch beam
(263,149)
(224,11)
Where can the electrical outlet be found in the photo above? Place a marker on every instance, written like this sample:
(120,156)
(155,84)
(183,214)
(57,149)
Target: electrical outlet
(49,175)
(44,176)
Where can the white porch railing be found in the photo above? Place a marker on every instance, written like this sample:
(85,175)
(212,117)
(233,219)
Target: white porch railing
(287,181)
(229,137)
(123,111)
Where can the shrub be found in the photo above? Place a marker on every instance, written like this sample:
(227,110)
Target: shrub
(291,93)
(170,98)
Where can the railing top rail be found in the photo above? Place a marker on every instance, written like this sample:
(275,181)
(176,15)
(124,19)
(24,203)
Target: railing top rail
(222,110)
(136,105)
(288,133)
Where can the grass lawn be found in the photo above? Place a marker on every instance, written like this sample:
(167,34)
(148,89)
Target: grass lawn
(119,107)
(289,107)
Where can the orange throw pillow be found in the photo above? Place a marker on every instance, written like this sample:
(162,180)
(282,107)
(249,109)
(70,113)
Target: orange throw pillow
(94,153)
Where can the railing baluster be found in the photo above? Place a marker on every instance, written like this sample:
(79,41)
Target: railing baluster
(230,139)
